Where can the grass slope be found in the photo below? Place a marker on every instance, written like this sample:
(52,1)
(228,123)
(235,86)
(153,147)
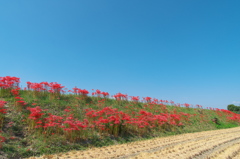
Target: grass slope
(23,139)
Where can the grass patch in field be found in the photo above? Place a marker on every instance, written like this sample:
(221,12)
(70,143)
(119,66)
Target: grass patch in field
(226,125)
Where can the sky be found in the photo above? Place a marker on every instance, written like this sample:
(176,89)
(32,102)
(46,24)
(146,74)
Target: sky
(186,51)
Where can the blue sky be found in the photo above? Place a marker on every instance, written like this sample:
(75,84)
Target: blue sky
(186,51)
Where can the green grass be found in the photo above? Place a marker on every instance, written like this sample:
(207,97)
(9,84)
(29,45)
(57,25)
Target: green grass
(29,142)
(226,125)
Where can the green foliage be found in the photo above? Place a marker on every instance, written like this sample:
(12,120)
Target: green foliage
(225,125)
(234,108)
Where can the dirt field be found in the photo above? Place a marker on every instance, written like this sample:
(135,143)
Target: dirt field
(217,144)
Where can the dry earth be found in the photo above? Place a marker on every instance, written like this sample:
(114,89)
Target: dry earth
(216,144)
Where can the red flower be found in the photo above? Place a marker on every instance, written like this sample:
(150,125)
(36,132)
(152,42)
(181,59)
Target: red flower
(2,139)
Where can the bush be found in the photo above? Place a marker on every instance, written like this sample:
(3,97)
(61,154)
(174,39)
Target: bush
(233,108)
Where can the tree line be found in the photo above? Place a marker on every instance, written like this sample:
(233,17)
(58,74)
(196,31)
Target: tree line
(234,108)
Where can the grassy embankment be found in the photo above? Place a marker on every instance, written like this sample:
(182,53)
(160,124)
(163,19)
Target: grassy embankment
(64,122)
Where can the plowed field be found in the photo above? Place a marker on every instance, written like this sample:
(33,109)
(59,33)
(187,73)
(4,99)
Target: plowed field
(216,144)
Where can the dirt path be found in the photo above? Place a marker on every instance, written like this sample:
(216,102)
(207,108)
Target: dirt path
(215,144)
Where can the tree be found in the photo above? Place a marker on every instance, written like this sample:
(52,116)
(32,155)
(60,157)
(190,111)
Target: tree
(233,108)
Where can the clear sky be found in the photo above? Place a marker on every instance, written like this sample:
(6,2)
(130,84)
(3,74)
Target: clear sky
(187,51)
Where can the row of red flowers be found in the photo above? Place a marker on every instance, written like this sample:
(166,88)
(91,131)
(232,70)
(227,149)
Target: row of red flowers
(12,83)
(108,119)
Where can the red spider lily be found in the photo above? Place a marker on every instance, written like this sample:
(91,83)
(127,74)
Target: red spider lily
(155,100)
(172,102)
(57,120)
(43,86)
(35,113)
(78,91)
(210,108)
(101,101)
(75,125)
(235,117)
(198,106)
(161,119)
(55,87)
(2,104)
(163,101)
(28,85)
(52,87)
(36,87)
(22,102)
(135,99)
(178,105)
(99,93)
(52,121)
(230,115)
(107,115)
(147,99)
(18,98)
(225,111)
(180,124)
(15,92)
(9,82)
(186,105)
(120,96)
(67,110)
(2,139)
